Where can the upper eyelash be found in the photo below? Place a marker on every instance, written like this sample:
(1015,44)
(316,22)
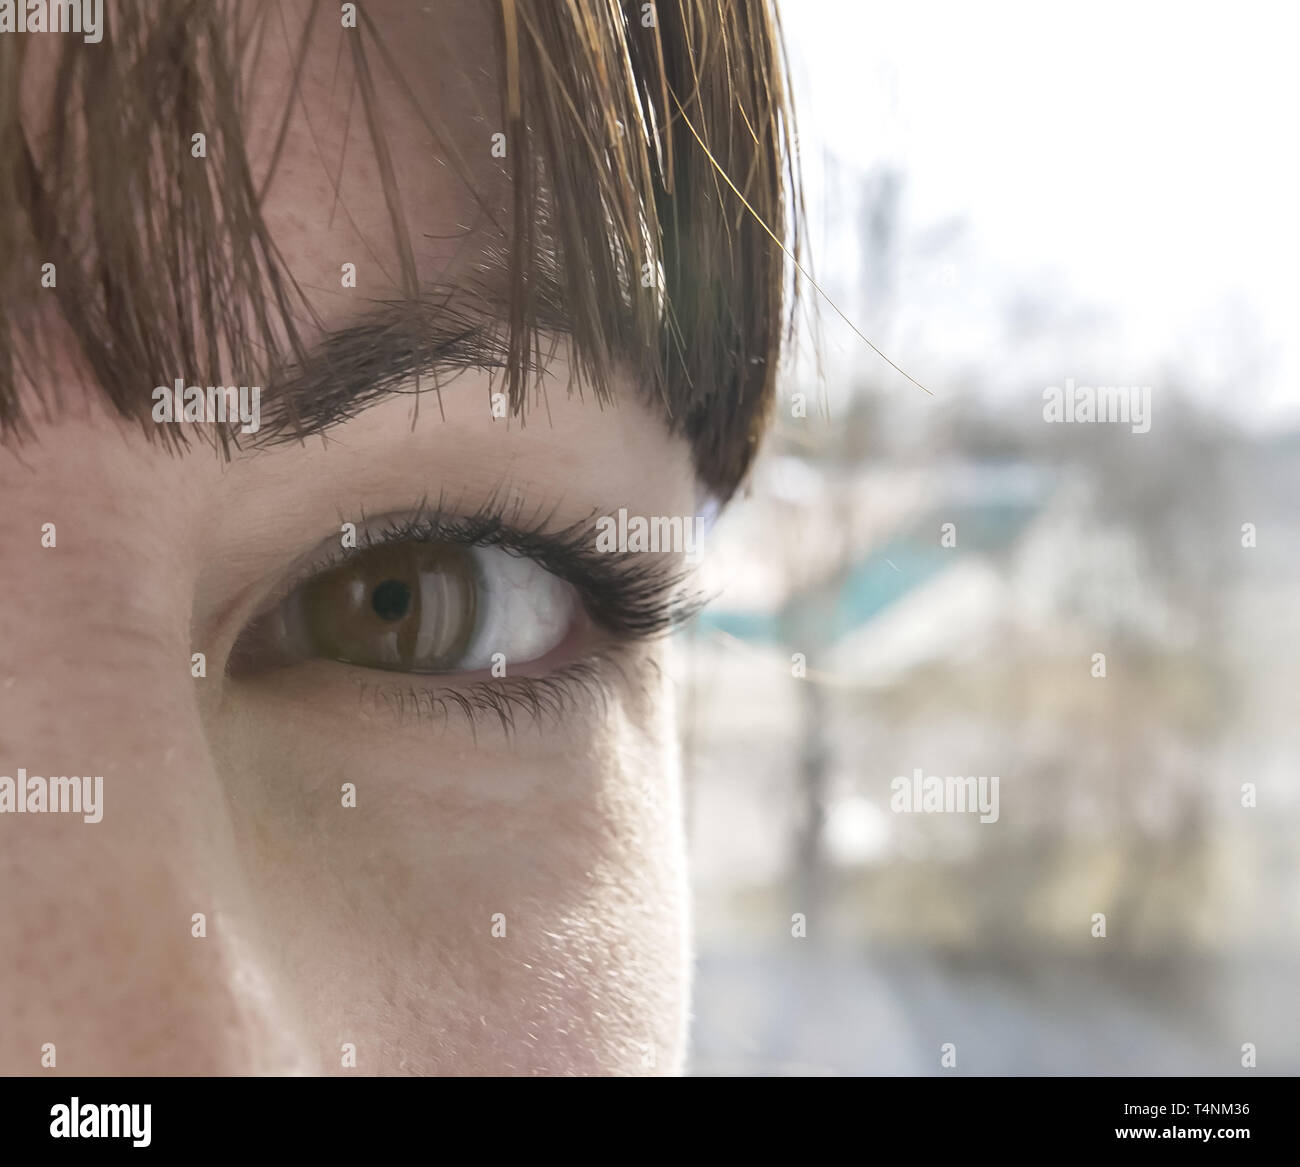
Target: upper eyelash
(634,595)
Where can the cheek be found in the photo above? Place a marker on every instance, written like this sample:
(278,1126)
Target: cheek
(487,906)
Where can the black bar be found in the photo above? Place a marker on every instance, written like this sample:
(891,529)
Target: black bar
(913,1116)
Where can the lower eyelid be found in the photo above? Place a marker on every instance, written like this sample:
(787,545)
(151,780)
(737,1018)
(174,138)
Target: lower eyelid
(509,703)
(570,692)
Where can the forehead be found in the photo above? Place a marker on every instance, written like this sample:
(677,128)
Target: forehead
(410,95)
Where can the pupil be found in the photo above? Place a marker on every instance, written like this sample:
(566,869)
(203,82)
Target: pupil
(391,600)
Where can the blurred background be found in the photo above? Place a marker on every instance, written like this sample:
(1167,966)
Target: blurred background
(1003,197)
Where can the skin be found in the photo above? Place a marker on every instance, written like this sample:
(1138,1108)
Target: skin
(326,924)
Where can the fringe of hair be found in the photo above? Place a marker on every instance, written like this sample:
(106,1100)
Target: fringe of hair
(632,128)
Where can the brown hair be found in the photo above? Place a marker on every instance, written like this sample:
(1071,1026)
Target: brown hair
(645,139)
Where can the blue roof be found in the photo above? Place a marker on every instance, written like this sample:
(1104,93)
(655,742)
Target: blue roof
(884,574)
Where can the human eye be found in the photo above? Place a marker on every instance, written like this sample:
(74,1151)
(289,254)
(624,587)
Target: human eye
(423,606)
(468,599)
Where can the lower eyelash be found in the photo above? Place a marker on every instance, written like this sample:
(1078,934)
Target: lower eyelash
(537,702)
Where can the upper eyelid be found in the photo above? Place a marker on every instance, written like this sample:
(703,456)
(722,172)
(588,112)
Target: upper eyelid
(622,591)
(628,593)
(329,554)
(422,527)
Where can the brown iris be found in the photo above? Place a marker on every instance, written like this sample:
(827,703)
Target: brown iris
(409,606)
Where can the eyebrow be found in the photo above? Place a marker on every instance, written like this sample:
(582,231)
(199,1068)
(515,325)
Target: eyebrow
(446,331)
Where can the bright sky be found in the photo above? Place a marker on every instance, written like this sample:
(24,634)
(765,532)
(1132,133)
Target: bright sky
(1138,158)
